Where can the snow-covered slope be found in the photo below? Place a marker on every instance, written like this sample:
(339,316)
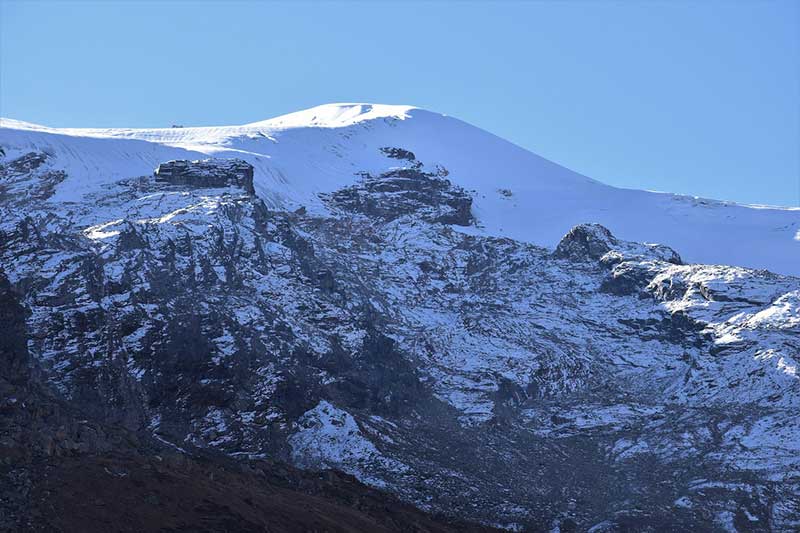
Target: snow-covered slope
(516,193)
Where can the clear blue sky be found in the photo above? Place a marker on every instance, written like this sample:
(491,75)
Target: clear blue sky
(693,97)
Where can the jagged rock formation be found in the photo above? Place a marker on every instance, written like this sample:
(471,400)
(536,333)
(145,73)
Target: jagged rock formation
(402,191)
(602,385)
(216,173)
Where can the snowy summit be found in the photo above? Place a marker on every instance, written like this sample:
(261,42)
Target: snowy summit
(516,193)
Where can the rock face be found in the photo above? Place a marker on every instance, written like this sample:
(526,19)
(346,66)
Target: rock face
(404,191)
(604,385)
(17,180)
(214,173)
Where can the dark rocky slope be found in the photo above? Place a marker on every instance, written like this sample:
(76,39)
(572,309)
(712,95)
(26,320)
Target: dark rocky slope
(61,472)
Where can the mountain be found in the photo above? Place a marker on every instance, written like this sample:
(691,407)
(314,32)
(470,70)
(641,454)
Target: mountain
(400,296)
(516,194)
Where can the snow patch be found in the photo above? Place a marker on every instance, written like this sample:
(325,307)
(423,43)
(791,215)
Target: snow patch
(329,437)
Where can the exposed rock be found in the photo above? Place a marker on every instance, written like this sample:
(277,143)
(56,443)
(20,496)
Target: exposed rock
(585,242)
(401,192)
(207,173)
(627,278)
(26,163)
(593,242)
(28,176)
(399,153)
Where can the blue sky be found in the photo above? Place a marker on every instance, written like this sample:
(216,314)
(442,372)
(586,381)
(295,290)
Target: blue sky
(693,97)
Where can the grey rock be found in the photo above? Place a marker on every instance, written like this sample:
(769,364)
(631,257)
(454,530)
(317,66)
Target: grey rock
(207,173)
(585,242)
(399,153)
(406,191)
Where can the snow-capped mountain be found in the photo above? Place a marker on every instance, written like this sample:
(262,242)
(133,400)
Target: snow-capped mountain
(404,297)
(516,194)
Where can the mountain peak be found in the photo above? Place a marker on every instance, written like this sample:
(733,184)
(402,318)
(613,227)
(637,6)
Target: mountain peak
(337,115)
(515,193)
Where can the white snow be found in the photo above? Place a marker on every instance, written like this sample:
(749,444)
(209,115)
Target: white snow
(784,313)
(300,155)
(99,231)
(329,437)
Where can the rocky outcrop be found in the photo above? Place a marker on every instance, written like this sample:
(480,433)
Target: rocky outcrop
(594,242)
(24,164)
(405,191)
(28,176)
(399,153)
(207,173)
(585,242)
